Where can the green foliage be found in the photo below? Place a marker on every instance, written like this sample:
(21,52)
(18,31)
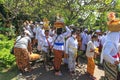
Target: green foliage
(108,1)
(10,32)
(117,7)
(3,38)
(72,10)
(6,59)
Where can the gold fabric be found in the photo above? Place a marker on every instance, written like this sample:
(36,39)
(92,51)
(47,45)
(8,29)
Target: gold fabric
(90,65)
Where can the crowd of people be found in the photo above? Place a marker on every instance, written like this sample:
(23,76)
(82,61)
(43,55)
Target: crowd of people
(65,42)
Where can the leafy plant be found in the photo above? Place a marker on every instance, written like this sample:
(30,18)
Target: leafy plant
(6,59)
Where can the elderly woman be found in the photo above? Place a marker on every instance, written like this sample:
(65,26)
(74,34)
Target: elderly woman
(110,52)
(22,50)
(110,56)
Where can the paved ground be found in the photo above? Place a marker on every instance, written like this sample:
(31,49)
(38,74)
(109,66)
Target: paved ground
(40,73)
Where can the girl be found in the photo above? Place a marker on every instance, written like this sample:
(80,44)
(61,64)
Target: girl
(91,50)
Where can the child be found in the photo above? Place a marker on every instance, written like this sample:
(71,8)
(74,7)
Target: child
(90,52)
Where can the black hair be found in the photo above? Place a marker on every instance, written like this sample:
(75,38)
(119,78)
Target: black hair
(59,31)
(94,36)
(46,30)
(74,31)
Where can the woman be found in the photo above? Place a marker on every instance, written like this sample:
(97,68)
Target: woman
(22,51)
(47,43)
(58,48)
(110,51)
(90,52)
(109,54)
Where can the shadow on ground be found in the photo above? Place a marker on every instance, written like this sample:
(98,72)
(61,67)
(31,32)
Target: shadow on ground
(40,73)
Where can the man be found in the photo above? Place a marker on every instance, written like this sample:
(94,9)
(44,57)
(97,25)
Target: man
(71,51)
(39,35)
(84,40)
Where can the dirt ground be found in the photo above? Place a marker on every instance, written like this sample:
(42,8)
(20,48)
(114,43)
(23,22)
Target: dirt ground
(40,73)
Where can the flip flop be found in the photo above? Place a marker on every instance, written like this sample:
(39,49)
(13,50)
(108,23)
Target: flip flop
(58,73)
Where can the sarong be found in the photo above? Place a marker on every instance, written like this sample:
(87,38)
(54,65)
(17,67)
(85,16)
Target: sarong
(58,54)
(110,71)
(71,61)
(22,58)
(90,65)
(118,76)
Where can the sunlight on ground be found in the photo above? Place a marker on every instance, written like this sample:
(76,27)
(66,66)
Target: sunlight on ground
(99,73)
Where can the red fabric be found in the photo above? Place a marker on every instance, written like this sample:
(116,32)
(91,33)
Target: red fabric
(117,55)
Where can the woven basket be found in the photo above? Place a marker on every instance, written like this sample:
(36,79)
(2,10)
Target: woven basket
(59,25)
(114,26)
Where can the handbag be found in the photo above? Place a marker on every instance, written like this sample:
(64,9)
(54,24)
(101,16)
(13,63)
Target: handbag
(12,49)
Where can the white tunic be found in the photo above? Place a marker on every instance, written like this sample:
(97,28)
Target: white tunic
(39,35)
(71,50)
(103,39)
(71,45)
(90,46)
(110,48)
(22,42)
(84,40)
(60,40)
(39,32)
(46,44)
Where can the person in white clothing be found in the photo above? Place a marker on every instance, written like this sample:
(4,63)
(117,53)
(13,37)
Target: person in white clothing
(90,53)
(84,40)
(39,35)
(47,43)
(58,48)
(71,51)
(110,55)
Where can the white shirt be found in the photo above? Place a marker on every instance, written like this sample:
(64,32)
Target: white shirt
(84,37)
(22,42)
(89,37)
(46,44)
(52,32)
(39,33)
(71,45)
(96,43)
(103,39)
(90,46)
(109,50)
(61,39)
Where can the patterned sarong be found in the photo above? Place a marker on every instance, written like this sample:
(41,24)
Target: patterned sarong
(110,71)
(22,58)
(90,65)
(58,54)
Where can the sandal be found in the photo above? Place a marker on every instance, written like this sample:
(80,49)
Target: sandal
(58,73)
